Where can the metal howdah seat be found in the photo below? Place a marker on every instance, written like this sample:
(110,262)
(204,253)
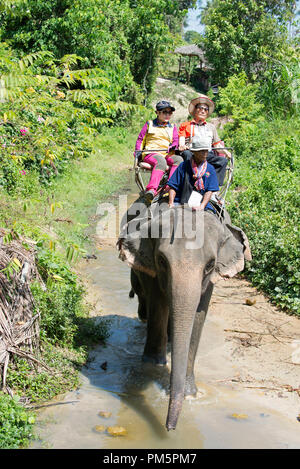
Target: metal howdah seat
(142,174)
(229,174)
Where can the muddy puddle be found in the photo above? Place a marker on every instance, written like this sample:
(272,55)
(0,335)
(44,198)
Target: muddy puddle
(135,395)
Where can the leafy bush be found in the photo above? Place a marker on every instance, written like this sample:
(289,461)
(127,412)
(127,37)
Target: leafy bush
(50,115)
(61,302)
(16,423)
(239,101)
(268,212)
(279,88)
(265,196)
(42,384)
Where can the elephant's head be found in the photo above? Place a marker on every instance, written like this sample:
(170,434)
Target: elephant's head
(185,267)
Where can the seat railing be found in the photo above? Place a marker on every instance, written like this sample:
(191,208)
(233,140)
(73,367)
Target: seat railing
(141,167)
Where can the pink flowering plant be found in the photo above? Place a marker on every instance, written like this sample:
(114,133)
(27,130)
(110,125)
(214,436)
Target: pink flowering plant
(46,122)
(44,126)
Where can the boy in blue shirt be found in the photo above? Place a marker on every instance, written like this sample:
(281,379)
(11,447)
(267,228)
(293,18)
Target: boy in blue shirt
(196,175)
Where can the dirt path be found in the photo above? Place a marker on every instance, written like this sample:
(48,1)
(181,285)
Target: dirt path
(261,342)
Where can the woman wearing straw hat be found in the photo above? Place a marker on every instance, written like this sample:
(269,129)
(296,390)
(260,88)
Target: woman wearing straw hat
(200,108)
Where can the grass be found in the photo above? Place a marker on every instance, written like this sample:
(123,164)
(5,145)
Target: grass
(93,180)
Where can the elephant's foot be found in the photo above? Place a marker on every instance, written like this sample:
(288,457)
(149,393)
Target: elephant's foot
(154,359)
(190,387)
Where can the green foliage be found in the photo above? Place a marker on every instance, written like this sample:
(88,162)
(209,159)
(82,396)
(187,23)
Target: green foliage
(49,123)
(265,203)
(192,37)
(280,84)
(123,37)
(62,301)
(265,199)
(149,36)
(40,385)
(75,67)
(16,423)
(239,35)
(239,101)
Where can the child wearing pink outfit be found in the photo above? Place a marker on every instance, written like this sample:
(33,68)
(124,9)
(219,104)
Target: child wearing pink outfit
(160,135)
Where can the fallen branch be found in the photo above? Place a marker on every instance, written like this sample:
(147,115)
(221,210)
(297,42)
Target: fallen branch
(67,220)
(258,333)
(263,387)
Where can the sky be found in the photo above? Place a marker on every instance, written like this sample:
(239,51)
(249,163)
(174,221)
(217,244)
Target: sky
(193,23)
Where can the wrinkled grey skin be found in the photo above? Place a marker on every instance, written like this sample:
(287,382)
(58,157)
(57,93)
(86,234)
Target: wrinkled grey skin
(175,283)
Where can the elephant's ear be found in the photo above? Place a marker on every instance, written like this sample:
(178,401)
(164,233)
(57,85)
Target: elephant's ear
(233,252)
(136,251)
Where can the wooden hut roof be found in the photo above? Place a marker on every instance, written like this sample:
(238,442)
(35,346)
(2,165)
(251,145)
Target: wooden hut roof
(191,50)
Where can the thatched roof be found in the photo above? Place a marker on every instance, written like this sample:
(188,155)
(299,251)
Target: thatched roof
(191,50)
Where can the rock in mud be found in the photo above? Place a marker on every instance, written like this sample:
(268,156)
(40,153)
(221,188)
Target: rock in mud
(239,416)
(99,428)
(250,302)
(105,414)
(117,431)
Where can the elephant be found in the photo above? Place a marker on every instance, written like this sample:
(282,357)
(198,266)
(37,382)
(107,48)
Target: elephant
(173,276)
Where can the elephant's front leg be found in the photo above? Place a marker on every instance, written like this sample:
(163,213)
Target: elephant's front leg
(136,285)
(190,385)
(157,323)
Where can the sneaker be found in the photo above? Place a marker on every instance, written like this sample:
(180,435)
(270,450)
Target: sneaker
(214,196)
(217,199)
(149,195)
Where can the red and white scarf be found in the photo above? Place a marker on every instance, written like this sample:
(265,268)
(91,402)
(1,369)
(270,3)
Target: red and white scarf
(198,173)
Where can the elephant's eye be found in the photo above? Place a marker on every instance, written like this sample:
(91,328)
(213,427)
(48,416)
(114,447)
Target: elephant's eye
(210,265)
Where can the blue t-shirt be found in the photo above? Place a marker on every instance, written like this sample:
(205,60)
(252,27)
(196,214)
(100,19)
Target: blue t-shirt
(210,180)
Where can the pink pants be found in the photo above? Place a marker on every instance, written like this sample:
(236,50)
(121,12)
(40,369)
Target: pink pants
(159,164)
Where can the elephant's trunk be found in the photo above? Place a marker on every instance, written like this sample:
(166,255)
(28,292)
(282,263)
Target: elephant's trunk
(183,308)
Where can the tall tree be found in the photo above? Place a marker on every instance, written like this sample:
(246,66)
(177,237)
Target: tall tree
(123,37)
(239,35)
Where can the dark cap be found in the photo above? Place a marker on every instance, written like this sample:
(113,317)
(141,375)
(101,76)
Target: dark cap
(163,105)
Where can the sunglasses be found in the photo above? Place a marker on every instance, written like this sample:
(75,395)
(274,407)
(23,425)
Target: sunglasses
(203,108)
(166,112)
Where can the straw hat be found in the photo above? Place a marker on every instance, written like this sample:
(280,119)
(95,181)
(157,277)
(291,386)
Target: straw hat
(202,99)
